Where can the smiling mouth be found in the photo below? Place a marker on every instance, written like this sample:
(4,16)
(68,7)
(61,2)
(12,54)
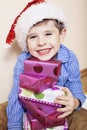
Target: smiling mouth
(44,51)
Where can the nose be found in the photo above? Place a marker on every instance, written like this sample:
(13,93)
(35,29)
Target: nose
(41,41)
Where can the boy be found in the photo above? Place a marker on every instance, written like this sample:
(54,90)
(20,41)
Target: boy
(40,30)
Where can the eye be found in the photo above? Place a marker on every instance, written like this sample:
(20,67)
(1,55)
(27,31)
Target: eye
(33,37)
(48,34)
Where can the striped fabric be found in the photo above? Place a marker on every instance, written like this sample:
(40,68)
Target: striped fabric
(70,77)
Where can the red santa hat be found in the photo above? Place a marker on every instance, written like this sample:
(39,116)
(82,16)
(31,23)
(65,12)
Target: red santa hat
(34,12)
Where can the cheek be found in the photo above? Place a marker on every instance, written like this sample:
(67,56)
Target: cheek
(56,39)
(56,42)
(56,45)
(31,50)
(32,43)
(31,46)
(56,48)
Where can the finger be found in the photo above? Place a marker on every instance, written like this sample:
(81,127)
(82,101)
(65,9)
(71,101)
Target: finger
(64,98)
(64,114)
(61,99)
(63,109)
(62,102)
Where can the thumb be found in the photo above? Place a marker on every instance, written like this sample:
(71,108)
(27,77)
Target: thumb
(66,91)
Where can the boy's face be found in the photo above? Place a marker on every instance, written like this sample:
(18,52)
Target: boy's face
(44,40)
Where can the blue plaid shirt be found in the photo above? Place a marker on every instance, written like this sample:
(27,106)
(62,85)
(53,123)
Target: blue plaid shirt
(70,78)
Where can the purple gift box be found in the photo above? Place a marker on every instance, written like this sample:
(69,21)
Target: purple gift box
(39,76)
(35,83)
(42,68)
(44,113)
(34,123)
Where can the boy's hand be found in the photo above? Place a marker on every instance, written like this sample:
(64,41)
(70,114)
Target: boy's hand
(68,101)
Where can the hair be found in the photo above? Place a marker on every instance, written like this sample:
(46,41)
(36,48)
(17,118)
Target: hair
(58,24)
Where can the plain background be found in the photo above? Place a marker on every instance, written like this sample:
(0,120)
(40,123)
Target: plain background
(76,37)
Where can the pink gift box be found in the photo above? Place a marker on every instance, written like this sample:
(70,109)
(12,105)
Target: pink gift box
(42,68)
(34,123)
(35,83)
(44,113)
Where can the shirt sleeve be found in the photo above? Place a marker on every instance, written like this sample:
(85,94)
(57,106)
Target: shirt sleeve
(14,109)
(74,79)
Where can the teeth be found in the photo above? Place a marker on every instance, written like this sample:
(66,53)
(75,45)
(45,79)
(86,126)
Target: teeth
(43,52)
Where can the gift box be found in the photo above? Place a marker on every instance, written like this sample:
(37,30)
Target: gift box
(37,91)
(41,108)
(45,113)
(30,123)
(35,83)
(42,68)
(34,123)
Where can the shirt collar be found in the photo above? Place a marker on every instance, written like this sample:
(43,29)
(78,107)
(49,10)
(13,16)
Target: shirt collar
(63,54)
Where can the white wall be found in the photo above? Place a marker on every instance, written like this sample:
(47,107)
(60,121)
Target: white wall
(76,38)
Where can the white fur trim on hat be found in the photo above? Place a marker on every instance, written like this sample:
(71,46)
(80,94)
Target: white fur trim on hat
(33,15)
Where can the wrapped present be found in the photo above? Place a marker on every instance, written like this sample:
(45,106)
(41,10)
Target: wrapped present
(37,92)
(34,123)
(30,123)
(41,68)
(44,112)
(41,108)
(36,83)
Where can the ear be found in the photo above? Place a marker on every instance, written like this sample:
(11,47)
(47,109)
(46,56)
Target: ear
(62,34)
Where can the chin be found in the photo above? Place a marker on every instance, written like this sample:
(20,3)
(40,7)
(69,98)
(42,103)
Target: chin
(44,58)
